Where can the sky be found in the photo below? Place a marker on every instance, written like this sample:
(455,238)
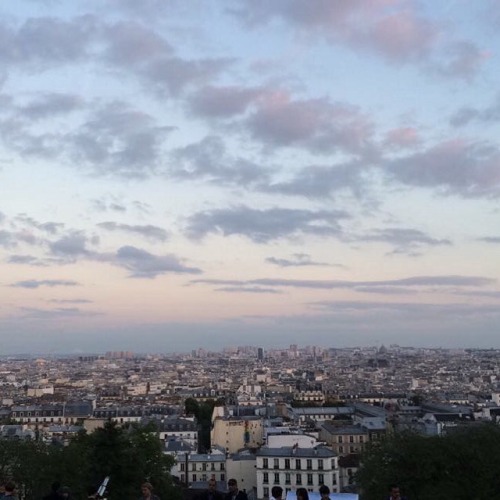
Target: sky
(178,174)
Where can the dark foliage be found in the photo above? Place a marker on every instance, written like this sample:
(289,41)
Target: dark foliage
(129,456)
(464,464)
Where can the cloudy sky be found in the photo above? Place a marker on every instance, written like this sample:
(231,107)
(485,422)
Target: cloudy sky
(184,173)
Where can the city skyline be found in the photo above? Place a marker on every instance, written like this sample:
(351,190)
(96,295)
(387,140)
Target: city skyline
(185,174)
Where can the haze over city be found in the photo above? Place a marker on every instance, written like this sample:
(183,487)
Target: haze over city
(181,174)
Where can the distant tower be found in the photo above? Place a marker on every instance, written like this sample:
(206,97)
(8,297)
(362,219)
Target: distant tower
(260,354)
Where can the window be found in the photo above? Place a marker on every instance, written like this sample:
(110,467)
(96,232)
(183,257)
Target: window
(287,463)
(265,463)
(309,479)
(309,464)
(320,465)
(204,466)
(297,464)
(341,449)
(182,467)
(361,439)
(351,439)
(222,477)
(298,478)
(204,477)
(321,478)
(193,466)
(276,478)
(221,466)
(352,449)
(266,492)
(287,478)
(194,478)
(340,439)
(276,463)
(265,478)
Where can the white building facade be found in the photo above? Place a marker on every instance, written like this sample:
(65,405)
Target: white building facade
(294,467)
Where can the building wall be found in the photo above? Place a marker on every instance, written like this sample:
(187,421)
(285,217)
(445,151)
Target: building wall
(244,472)
(230,434)
(285,472)
(199,469)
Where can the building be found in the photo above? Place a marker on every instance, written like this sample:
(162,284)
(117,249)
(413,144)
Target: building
(345,439)
(193,468)
(235,433)
(294,467)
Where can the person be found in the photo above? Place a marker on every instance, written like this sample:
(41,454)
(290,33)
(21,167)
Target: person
(211,492)
(54,491)
(147,492)
(324,491)
(10,489)
(234,493)
(395,493)
(277,492)
(302,494)
(65,493)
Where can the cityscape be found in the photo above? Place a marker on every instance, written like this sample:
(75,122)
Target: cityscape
(249,249)
(315,406)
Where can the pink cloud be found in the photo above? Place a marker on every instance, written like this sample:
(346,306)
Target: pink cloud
(223,101)
(403,137)
(456,166)
(316,124)
(463,60)
(397,30)
(400,36)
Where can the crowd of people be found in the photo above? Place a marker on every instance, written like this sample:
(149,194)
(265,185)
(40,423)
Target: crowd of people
(234,493)
(59,492)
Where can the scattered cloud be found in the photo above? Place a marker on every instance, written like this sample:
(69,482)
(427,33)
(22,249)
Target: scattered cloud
(262,226)
(414,281)
(148,231)
(402,138)
(25,259)
(403,240)
(44,41)
(468,114)
(246,289)
(143,264)
(71,301)
(462,60)
(398,31)
(60,312)
(318,125)
(469,169)
(299,260)
(490,239)
(48,105)
(46,227)
(209,160)
(223,102)
(72,245)
(118,139)
(7,239)
(315,181)
(40,283)
(108,205)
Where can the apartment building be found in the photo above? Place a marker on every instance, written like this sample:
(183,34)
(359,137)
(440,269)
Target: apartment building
(344,440)
(294,467)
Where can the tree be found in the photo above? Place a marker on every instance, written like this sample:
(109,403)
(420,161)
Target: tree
(203,413)
(129,456)
(453,466)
